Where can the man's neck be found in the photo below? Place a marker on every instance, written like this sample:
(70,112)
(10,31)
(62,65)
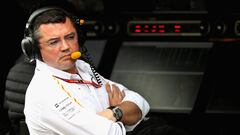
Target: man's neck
(73,70)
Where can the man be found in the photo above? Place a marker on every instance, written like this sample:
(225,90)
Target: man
(66,96)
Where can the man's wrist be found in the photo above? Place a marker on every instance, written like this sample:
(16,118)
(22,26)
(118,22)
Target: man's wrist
(117,112)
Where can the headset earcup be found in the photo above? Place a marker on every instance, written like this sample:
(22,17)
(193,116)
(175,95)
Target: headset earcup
(27,47)
(81,31)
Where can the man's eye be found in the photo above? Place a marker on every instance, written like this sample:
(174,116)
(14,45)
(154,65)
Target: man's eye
(70,37)
(51,43)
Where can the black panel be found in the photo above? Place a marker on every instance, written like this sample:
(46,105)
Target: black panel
(168,75)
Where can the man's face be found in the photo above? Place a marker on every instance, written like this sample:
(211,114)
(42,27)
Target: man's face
(57,42)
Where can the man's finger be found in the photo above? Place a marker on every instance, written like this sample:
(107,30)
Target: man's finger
(108,88)
(123,93)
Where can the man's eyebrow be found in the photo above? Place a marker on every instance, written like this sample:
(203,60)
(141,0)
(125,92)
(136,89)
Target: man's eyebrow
(70,34)
(52,39)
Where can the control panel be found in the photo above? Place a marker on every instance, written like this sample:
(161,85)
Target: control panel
(166,25)
(166,28)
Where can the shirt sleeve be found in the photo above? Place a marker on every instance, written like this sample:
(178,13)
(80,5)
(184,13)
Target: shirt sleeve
(136,98)
(70,119)
(82,122)
(130,95)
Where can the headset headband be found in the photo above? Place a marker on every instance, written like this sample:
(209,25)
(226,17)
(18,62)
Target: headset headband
(37,13)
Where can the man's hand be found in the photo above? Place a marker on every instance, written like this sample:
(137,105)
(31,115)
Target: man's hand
(131,112)
(115,95)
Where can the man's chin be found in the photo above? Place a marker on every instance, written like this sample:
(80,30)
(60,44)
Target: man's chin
(67,67)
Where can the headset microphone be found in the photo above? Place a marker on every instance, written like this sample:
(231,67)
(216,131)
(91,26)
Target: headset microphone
(76,55)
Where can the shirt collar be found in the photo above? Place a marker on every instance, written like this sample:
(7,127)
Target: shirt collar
(55,72)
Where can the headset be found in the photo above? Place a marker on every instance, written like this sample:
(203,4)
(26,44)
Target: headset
(29,44)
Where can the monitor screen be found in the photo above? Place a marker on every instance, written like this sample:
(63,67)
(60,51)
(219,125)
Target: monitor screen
(167,74)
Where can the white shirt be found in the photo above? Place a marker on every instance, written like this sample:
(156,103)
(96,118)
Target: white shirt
(56,107)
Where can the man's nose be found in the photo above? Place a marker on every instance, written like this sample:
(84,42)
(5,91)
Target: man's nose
(65,45)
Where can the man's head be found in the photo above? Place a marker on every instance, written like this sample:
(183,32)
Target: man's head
(51,35)
(46,15)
